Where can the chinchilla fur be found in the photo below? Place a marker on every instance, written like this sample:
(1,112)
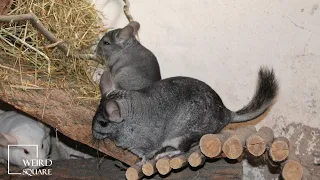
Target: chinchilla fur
(174,112)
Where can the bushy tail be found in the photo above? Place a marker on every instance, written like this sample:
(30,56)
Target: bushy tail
(267,90)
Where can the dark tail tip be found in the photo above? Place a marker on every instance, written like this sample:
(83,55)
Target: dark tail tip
(268,86)
(266,91)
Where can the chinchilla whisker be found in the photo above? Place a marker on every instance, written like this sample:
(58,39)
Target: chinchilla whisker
(99,163)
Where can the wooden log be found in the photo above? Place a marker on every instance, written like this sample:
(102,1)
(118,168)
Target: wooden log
(292,169)
(211,144)
(233,146)
(257,143)
(279,150)
(179,162)
(196,158)
(134,173)
(149,168)
(163,166)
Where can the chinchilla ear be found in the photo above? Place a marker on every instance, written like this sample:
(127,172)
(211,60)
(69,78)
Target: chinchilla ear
(113,110)
(106,84)
(6,139)
(126,33)
(135,25)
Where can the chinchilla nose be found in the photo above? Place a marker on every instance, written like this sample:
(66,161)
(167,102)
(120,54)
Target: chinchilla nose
(103,123)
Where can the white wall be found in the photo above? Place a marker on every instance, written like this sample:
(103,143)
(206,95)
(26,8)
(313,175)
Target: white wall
(225,42)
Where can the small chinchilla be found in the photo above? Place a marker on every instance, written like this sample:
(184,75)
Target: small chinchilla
(172,113)
(131,65)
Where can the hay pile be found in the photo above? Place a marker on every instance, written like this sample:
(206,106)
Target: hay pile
(29,61)
(38,78)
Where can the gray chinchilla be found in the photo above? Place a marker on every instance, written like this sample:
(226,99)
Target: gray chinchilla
(172,113)
(131,65)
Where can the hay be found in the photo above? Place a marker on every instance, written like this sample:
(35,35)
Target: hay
(29,61)
(38,78)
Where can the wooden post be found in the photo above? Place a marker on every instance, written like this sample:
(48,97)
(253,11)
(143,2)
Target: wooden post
(149,168)
(257,143)
(279,149)
(196,158)
(233,146)
(178,162)
(211,144)
(134,173)
(163,166)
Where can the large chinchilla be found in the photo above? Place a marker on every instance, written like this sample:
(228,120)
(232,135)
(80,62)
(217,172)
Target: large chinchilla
(174,112)
(131,65)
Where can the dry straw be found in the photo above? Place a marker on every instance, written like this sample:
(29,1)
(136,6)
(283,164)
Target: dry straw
(28,60)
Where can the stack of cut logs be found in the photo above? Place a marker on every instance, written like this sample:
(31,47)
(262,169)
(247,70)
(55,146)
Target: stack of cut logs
(231,144)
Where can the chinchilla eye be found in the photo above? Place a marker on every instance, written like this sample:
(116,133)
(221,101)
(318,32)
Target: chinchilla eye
(106,43)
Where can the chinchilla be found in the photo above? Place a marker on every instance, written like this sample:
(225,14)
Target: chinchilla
(131,65)
(174,112)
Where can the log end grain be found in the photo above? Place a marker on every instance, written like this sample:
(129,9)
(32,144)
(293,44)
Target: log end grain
(163,166)
(178,162)
(210,145)
(134,173)
(279,151)
(196,159)
(149,168)
(292,170)
(256,145)
(232,148)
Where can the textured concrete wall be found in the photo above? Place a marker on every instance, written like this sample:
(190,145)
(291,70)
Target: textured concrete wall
(225,42)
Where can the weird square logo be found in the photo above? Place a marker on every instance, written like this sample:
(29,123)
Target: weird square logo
(29,163)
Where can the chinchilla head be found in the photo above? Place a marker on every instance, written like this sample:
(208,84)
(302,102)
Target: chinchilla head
(115,41)
(108,117)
